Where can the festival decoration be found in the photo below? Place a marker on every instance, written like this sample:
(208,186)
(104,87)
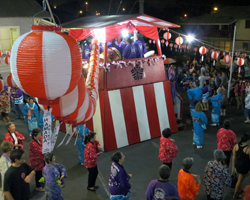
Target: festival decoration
(179,40)
(180,47)
(237,53)
(211,50)
(162,41)
(244,55)
(8,53)
(188,47)
(207,50)
(48,68)
(202,51)
(166,43)
(218,53)
(150,41)
(195,50)
(240,62)
(1,85)
(224,53)
(11,82)
(175,46)
(167,36)
(184,46)
(7,60)
(230,53)
(153,41)
(214,56)
(171,46)
(227,59)
(1,53)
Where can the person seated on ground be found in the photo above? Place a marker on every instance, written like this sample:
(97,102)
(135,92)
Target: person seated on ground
(216,176)
(188,184)
(130,51)
(161,187)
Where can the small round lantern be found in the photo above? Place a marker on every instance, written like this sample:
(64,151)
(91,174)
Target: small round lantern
(184,46)
(244,55)
(166,43)
(175,46)
(180,47)
(214,56)
(162,41)
(8,53)
(211,50)
(167,36)
(46,64)
(171,46)
(240,62)
(195,50)
(150,41)
(224,53)
(188,47)
(153,41)
(237,53)
(11,82)
(1,85)
(202,51)
(7,60)
(179,40)
(230,53)
(227,59)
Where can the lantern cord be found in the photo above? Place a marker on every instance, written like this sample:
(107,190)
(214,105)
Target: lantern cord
(109,6)
(119,7)
(133,6)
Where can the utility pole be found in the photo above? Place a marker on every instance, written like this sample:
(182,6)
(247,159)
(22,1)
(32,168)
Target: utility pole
(141,7)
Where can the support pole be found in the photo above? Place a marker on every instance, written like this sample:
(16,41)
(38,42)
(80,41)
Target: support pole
(141,7)
(231,67)
(51,14)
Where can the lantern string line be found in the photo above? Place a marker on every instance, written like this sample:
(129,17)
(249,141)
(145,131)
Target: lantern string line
(133,6)
(204,42)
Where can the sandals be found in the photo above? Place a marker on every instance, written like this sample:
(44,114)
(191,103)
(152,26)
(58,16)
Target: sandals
(92,190)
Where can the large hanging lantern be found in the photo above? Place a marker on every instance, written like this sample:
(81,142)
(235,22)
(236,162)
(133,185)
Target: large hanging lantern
(227,59)
(167,36)
(45,63)
(214,56)
(202,51)
(11,82)
(179,41)
(240,62)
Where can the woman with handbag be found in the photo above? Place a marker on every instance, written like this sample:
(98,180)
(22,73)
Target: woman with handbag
(241,162)
(30,113)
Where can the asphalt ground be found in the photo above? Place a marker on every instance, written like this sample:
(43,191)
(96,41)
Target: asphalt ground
(140,159)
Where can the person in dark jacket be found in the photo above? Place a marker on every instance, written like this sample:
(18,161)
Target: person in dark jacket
(119,185)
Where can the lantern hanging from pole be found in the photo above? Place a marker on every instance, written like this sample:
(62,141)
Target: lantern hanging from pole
(240,62)
(237,53)
(180,47)
(167,36)
(8,53)
(166,43)
(227,59)
(46,64)
(179,40)
(195,50)
(244,55)
(150,41)
(224,53)
(162,41)
(11,82)
(202,51)
(184,46)
(7,60)
(176,46)
(171,46)
(214,56)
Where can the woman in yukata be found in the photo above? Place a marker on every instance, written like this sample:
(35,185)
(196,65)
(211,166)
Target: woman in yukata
(216,102)
(199,123)
(53,174)
(82,131)
(30,113)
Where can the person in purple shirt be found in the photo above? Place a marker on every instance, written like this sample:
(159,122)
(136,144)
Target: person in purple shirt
(160,189)
(100,47)
(122,45)
(114,43)
(86,51)
(130,51)
(17,95)
(119,185)
(140,49)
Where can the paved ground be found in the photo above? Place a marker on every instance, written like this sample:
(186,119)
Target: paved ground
(141,160)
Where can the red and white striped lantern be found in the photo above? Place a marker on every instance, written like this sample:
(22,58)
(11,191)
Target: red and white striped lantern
(240,62)
(218,53)
(211,50)
(7,60)
(214,56)
(150,41)
(11,82)
(46,64)
(237,53)
(1,85)
(180,47)
(1,53)
(153,41)
(166,43)
(244,55)
(224,53)
(8,53)
(179,40)
(188,47)
(162,41)
(175,46)
(207,50)
(195,50)
(227,59)
(202,51)
(184,46)
(167,36)
(171,46)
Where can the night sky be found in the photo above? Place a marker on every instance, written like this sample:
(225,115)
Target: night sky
(169,10)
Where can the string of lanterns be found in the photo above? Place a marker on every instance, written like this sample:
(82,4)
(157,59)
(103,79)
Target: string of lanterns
(6,56)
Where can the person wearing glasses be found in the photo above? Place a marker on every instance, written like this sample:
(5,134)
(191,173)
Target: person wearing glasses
(18,177)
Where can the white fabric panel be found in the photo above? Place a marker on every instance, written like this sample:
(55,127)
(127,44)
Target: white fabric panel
(118,118)
(13,59)
(68,102)
(97,123)
(83,109)
(57,66)
(161,105)
(141,113)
